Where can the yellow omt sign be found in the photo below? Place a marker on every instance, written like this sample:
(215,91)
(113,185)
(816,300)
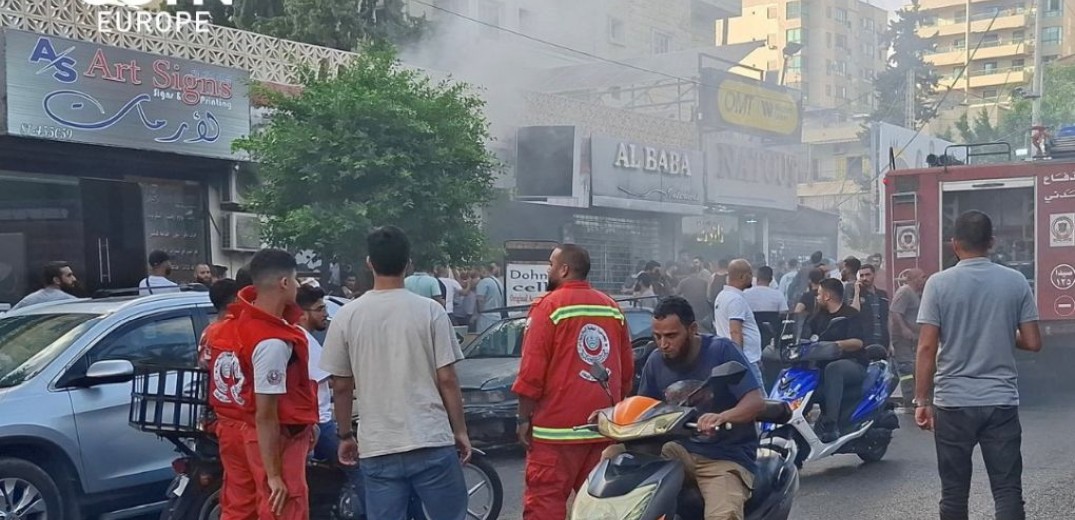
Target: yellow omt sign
(753,106)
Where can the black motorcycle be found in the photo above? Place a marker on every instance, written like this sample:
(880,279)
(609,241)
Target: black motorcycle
(170,402)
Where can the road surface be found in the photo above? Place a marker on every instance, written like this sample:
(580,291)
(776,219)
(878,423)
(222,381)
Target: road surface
(905,485)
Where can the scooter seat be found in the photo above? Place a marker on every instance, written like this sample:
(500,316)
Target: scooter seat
(769,464)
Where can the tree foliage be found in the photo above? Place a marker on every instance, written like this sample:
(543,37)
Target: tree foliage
(980,130)
(377,144)
(859,229)
(907,51)
(1057,105)
(340,24)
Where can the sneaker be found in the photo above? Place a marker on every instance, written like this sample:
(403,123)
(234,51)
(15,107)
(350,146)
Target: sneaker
(827,431)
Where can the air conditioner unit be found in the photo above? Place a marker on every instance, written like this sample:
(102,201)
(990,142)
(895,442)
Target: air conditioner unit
(242,179)
(242,232)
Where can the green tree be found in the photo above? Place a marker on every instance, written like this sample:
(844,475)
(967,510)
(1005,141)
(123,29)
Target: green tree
(981,130)
(1057,105)
(376,144)
(242,14)
(858,226)
(907,51)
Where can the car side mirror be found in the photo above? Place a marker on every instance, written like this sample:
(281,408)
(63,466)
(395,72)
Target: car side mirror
(107,372)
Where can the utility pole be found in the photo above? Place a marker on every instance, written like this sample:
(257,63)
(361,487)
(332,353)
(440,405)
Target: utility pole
(1039,74)
(966,60)
(909,100)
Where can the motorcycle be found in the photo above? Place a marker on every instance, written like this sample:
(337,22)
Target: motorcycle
(171,402)
(873,420)
(194,493)
(641,485)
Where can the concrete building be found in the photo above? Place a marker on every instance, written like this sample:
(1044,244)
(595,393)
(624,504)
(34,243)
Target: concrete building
(840,49)
(1003,33)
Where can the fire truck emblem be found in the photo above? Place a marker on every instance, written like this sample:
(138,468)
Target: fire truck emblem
(593,347)
(228,380)
(907,242)
(1062,230)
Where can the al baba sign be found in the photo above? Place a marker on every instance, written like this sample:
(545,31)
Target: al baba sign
(70,90)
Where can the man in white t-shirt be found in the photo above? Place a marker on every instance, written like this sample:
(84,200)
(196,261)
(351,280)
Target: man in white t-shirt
(734,319)
(395,352)
(160,267)
(452,287)
(763,297)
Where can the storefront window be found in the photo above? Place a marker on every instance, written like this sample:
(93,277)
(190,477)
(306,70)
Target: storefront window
(40,221)
(616,247)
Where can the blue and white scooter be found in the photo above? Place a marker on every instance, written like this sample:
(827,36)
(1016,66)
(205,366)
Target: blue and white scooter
(873,420)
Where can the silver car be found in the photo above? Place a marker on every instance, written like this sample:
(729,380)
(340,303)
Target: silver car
(66,450)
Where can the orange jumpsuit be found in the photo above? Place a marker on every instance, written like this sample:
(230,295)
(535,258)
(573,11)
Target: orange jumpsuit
(245,492)
(567,331)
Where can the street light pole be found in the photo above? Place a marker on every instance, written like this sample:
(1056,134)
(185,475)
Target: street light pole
(1039,74)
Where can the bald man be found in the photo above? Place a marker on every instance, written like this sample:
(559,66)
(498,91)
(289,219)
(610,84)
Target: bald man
(734,319)
(903,327)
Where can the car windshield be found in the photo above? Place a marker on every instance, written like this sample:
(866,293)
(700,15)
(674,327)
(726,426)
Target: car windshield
(28,343)
(503,340)
(640,323)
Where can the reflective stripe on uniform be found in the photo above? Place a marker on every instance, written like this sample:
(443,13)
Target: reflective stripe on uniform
(564,434)
(589,311)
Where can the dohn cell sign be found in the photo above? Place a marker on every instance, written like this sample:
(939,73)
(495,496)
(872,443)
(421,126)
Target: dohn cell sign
(525,282)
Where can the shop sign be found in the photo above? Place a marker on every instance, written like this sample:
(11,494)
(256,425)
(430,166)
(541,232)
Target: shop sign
(69,90)
(750,106)
(525,282)
(754,177)
(638,176)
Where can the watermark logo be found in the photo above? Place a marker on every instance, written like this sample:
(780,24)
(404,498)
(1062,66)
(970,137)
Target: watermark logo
(133,16)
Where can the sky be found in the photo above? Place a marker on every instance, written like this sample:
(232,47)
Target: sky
(891,5)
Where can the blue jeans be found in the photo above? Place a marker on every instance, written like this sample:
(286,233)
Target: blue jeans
(434,474)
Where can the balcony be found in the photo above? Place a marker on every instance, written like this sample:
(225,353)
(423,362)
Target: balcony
(991,78)
(1008,19)
(956,55)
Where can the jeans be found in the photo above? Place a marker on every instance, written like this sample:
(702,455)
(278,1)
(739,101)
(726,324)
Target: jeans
(328,448)
(434,474)
(996,429)
(842,381)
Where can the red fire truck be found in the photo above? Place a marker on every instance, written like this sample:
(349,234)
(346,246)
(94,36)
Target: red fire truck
(1031,203)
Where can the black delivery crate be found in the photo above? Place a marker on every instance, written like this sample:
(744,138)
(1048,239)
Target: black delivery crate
(169,400)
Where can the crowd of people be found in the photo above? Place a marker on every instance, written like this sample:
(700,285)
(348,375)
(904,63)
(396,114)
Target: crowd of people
(277,392)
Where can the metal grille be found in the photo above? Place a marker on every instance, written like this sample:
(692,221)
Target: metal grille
(616,245)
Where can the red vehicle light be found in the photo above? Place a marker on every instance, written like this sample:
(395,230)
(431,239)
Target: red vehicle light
(179,466)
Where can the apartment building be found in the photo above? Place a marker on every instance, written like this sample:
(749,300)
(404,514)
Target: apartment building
(1002,31)
(829,49)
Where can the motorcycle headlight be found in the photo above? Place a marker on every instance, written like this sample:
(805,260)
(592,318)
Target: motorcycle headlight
(626,507)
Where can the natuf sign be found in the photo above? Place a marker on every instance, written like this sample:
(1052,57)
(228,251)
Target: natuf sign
(136,19)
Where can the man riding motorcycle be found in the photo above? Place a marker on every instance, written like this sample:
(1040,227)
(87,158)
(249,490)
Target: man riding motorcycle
(843,378)
(722,464)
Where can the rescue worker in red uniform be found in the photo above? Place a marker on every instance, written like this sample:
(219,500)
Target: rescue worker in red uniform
(568,330)
(260,390)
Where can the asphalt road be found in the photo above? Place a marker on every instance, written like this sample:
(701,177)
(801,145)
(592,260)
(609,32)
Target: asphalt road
(905,485)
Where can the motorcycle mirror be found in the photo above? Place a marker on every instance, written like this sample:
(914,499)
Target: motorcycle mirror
(599,372)
(730,372)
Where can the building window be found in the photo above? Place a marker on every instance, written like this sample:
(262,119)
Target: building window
(1018,64)
(662,42)
(795,35)
(988,67)
(961,16)
(868,24)
(1054,8)
(841,92)
(1051,36)
(828,40)
(990,40)
(828,67)
(828,90)
(841,41)
(840,15)
(990,94)
(616,32)
(1050,58)
(1018,37)
(794,10)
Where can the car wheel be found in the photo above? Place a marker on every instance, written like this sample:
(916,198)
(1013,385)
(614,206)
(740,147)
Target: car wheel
(27,492)
(211,508)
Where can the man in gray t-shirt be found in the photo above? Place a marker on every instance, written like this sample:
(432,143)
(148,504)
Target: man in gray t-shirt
(972,317)
(490,296)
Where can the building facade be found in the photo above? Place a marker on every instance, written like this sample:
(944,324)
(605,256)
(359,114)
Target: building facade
(1003,34)
(829,49)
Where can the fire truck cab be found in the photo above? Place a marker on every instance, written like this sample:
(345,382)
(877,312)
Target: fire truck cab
(1031,204)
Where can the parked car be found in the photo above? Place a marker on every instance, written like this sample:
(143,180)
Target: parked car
(492,364)
(65,371)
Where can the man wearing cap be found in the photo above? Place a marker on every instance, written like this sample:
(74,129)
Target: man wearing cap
(157,282)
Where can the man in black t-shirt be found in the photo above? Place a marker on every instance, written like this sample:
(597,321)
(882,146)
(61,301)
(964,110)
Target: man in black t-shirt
(842,378)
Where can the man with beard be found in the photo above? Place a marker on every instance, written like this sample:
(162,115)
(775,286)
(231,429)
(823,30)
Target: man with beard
(203,274)
(568,331)
(722,465)
(59,281)
(842,380)
(160,267)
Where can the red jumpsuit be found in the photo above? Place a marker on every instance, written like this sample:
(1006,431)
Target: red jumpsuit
(567,330)
(245,492)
